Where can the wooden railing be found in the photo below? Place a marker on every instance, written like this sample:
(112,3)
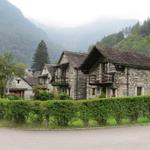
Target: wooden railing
(63,81)
(105,78)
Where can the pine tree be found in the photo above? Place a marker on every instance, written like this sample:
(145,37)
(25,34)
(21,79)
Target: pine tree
(41,57)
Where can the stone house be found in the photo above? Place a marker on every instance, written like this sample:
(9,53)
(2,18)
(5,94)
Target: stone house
(68,77)
(19,87)
(46,77)
(113,73)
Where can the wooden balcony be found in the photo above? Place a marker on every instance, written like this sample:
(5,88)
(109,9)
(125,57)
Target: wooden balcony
(105,79)
(61,82)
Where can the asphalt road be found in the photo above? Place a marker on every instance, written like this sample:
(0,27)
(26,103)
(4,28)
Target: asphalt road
(125,138)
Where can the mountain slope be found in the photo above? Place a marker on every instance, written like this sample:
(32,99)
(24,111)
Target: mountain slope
(18,34)
(138,39)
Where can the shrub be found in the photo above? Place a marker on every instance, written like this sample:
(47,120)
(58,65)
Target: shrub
(43,95)
(63,96)
(3,108)
(40,94)
(18,111)
(84,112)
(37,112)
(134,108)
(100,110)
(118,110)
(13,97)
(63,112)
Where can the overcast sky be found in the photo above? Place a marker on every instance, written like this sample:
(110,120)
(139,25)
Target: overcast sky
(79,12)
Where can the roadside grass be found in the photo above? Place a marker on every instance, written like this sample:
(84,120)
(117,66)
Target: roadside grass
(75,124)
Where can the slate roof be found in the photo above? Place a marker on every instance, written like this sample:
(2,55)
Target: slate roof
(13,85)
(126,58)
(31,80)
(51,68)
(74,58)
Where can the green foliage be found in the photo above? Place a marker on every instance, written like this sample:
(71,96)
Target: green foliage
(40,94)
(63,112)
(136,38)
(85,113)
(3,108)
(44,95)
(11,97)
(101,111)
(41,57)
(36,113)
(145,28)
(112,39)
(18,111)
(63,96)
(8,69)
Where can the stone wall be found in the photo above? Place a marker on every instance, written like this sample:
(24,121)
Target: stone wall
(18,83)
(46,81)
(125,82)
(76,80)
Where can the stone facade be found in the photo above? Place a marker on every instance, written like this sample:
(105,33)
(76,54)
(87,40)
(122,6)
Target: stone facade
(70,79)
(19,87)
(111,78)
(125,83)
(45,78)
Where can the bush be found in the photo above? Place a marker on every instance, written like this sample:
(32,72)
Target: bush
(40,94)
(13,97)
(64,111)
(101,111)
(118,109)
(84,112)
(18,111)
(36,112)
(3,109)
(43,95)
(63,96)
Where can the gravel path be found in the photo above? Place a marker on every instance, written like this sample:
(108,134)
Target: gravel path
(125,138)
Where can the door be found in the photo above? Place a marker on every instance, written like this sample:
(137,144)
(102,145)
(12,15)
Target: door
(103,91)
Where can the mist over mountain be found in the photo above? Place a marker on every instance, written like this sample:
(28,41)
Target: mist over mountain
(80,38)
(19,35)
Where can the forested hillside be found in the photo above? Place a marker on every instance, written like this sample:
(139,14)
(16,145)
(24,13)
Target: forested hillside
(19,35)
(135,38)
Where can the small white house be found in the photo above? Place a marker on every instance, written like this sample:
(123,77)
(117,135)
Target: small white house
(19,87)
(46,77)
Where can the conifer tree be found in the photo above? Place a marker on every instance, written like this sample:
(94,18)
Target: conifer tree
(40,57)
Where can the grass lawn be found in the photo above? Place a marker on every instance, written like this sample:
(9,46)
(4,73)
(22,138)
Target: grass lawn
(72,125)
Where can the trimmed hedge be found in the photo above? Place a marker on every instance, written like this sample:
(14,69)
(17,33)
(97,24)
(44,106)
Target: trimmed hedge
(62,112)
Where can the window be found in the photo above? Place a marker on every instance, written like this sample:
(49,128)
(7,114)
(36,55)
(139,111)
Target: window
(18,81)
(120,68)
(93,91)
(103,67)
(139,91)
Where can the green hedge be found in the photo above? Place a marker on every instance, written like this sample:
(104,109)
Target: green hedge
(62,112)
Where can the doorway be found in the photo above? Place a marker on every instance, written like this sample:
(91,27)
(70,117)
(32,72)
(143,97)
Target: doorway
(103,91)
